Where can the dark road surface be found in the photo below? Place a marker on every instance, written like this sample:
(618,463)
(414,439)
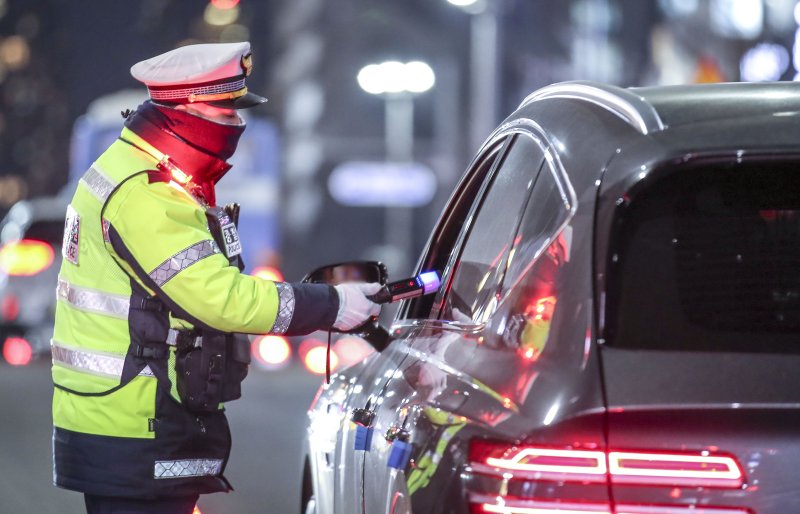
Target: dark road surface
(264,468)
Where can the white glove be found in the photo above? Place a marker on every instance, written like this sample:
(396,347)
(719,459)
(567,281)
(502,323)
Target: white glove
(354,307)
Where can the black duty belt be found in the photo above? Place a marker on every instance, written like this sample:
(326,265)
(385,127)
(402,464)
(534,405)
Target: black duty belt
(184,338)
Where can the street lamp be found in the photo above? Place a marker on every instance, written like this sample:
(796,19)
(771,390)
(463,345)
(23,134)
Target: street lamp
(470,6)
(397,83)
(484,70)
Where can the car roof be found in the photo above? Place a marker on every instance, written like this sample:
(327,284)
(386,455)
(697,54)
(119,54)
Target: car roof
(700,103)
(658,108)
(591,122)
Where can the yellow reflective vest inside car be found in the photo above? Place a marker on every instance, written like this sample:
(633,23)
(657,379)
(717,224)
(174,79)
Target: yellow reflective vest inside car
(141,267)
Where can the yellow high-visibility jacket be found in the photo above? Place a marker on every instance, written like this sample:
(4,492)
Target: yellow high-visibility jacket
(140,263)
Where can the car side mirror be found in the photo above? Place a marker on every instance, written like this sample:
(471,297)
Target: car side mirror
(355,271)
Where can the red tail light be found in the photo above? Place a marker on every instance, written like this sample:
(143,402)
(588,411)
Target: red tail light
(518,506)
(538,463)
(17,351)
(675,469)
(591,468)
(26,257)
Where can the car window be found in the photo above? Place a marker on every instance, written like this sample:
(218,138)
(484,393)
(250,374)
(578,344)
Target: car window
(531,285)
(479,270)
(446,234)
(706,260)
(547,210)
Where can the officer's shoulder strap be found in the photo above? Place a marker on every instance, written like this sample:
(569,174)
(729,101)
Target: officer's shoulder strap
(119,186)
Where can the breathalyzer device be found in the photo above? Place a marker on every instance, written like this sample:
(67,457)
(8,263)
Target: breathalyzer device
(424,283)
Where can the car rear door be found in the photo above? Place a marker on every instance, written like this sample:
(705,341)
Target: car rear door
(702,329)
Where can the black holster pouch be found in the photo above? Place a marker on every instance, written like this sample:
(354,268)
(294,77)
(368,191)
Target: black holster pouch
(210,369)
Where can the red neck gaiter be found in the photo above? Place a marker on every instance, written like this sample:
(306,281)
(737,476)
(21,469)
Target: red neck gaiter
(199,147)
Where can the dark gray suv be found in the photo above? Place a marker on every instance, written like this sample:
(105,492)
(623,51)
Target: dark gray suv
(618,326)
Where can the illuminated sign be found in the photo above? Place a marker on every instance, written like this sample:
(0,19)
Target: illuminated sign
(382,184)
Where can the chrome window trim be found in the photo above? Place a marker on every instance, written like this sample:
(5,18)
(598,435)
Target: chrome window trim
(534,131)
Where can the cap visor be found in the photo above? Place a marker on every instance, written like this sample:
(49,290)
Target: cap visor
(243,102)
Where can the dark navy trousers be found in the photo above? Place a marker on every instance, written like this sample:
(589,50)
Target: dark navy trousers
(112,505)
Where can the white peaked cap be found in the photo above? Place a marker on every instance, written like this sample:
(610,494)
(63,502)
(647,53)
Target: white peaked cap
(211,73)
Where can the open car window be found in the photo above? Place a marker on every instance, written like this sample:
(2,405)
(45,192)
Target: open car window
(478,272)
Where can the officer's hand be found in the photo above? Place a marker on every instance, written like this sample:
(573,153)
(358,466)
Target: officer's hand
(354,307)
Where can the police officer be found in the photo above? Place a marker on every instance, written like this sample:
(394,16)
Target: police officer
(152,305)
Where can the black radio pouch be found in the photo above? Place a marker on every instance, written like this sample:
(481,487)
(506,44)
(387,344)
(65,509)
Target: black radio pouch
(210,369)
(223,223)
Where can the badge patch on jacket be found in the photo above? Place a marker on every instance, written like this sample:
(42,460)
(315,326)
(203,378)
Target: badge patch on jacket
(230,236)
(70,247)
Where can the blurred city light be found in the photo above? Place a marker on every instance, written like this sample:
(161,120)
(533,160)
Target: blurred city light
(15,52)
(316,358)
(17,351)
(679,7)
(268,273)
(378,184)
(313,353)
(26,257)
(766,61)
(796,45)
(307,345)
(470,6)
(9,307)
(737,18)
(219,16)
(352,349)
(396,77)
(224,4)
(271,352)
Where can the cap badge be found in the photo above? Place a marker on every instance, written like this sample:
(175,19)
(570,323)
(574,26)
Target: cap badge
(247,64)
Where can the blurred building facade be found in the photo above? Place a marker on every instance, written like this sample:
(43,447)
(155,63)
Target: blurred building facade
(56,56)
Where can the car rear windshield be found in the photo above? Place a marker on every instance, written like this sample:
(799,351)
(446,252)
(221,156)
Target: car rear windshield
(709,260)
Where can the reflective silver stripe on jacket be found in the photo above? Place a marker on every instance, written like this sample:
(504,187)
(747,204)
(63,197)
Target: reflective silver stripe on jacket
(92,300)
(182,260)
(98,183)
(187,468)
(91,361)
(285,308)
